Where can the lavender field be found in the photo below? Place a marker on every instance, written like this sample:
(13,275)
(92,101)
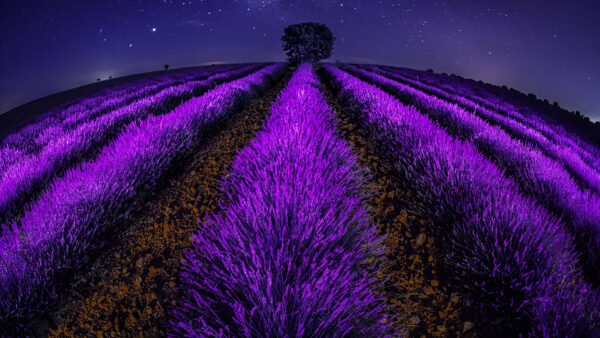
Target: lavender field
(318,200)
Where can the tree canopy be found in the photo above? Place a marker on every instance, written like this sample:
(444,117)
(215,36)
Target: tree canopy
(307,41)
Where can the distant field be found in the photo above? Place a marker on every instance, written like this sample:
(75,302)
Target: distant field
(270,200)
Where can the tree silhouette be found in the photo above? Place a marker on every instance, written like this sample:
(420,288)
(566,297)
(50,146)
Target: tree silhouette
(307,41)
(166,67)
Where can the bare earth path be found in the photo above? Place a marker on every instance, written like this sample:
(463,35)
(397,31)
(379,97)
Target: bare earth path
(416,289)
(133,287)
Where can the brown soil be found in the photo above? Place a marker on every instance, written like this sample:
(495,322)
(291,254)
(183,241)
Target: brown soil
(417,289)
(132,290)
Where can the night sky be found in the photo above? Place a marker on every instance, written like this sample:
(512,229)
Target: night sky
(550,48)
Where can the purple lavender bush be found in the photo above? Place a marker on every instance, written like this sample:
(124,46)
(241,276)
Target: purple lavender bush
(514,256)
(61,120)
(8,156)
(74,119)
(23,179)
(49,126)
(512,107)
(80,210)
(293,253)
(537,175)
(565,153)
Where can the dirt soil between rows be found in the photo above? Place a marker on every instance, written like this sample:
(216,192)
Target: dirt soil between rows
(416,287)
(132,288)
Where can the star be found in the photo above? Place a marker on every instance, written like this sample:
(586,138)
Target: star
(154,29)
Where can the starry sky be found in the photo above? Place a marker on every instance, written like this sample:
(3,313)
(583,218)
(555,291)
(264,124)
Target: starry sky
(547,47)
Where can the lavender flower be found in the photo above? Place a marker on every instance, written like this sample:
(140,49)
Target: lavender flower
(293,254)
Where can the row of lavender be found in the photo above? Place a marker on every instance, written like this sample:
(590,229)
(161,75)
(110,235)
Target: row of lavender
(80,210)
(538,176)
(105,104)
(288,256)
(512,254)
(532,118)
(30,174)
(579,127)
(53,124)
(24,136)
(567,154)
(35,136)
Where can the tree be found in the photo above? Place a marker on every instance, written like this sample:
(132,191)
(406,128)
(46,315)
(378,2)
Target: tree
(166,67)
(307,41)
